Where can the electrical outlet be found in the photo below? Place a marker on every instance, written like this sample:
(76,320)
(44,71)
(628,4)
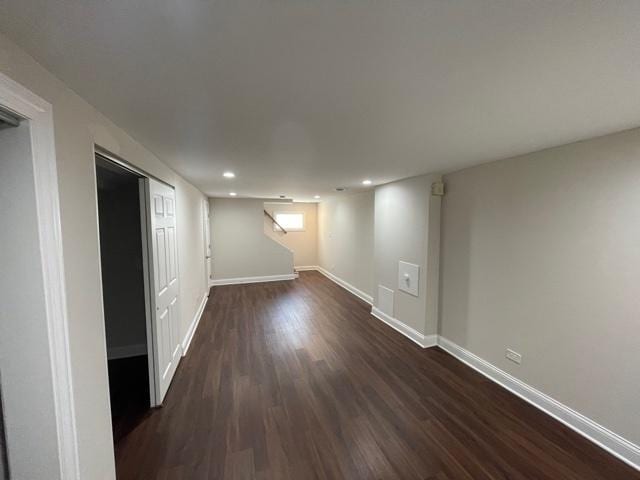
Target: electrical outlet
(514,356)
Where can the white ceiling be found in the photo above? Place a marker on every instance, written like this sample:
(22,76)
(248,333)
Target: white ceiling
(300,96)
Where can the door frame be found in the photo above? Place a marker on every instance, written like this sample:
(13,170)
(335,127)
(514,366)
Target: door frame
(39,114)
(146,269)
(152,360)
(155,397)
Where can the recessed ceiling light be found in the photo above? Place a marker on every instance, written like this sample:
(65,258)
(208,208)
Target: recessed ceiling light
(233,194)
(366,182)
(229,175)
(316,196)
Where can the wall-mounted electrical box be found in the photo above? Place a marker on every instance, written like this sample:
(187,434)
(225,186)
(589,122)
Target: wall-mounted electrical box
(437,189)
(409,278)
(515,357)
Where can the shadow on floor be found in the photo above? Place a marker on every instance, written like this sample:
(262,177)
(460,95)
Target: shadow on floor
(129,393)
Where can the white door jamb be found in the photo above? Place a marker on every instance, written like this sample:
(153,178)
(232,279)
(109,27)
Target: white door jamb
(39,114)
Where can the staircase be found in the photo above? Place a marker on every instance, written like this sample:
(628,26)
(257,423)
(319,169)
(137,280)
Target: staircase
(275,222)
(282,230)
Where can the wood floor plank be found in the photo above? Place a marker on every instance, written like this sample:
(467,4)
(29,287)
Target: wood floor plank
(296,380)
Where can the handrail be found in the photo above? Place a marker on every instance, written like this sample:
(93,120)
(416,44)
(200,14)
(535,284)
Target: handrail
(274,221)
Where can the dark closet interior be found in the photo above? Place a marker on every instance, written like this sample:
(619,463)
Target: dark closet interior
(123,294)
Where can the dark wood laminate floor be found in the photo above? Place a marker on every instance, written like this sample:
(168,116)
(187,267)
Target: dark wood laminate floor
(295,380)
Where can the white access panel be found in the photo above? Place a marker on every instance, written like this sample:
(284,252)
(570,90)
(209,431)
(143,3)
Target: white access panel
(409,278)
(385,300)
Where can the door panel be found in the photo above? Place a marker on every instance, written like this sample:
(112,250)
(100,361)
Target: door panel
(175,332)
(166,339)
(165,359)
(160,260)
(158,204)
(171,240)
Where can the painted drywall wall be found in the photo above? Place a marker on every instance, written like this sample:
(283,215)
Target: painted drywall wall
(541,254)
(345,238)
(407,229)
(78,127)
(240,247)
(24,344)
(194,285)
(304,245)
(122,267)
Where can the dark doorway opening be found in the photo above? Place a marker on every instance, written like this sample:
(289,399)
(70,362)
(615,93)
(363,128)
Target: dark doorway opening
(124,297)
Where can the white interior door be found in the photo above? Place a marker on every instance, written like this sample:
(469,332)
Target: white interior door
(165,298)
(207,239)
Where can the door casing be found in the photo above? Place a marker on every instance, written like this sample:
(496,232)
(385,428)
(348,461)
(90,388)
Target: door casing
(155,390)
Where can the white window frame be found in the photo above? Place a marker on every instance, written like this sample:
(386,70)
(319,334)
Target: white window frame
(304,222)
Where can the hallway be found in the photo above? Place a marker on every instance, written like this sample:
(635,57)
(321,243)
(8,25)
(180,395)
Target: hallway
(296,380)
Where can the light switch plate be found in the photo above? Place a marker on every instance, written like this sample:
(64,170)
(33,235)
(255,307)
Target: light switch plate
(409,278)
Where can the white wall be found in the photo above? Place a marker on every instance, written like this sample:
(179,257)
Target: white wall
(240,247)
(541,254)
(304,245)
(345,238)
(24,345)
(194,285)
(78,126)
(406,229)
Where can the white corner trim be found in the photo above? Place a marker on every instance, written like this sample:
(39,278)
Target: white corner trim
(613,443)
(39,114)
(425,341)
(241,280)
(347,286)
(194,324)
(306,268)
(127,351)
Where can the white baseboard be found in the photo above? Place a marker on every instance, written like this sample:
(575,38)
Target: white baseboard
(601,436)
(194,325)
(613,443)
(306,268)
(425,341)
(126,351)
(241,280)
(347,286)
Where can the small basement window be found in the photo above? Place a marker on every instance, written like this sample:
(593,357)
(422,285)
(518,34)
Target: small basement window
(290,221)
